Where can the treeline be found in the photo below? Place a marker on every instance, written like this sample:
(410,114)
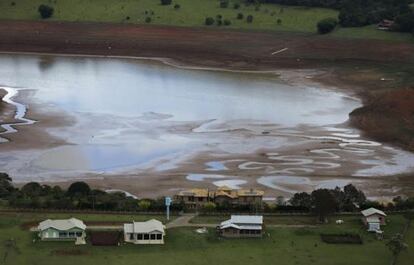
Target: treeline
(357,13)
(323,202)
(79,196)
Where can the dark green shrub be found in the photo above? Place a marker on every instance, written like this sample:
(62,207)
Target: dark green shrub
(227,22)
(177,6)
(236,6)
(45,11)
(327,25)
(148,20)
(224,3)
(166,2)
(240,16)
(249,19)
(405,23)
(209,21)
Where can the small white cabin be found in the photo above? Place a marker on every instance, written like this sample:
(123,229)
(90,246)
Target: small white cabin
(149,232)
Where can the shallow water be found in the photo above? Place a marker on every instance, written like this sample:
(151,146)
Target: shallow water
(148,117)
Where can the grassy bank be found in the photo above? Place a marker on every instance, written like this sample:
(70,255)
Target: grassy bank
(190,13)
(184,246)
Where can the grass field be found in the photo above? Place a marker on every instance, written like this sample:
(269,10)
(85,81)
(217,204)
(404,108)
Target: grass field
(184,246)
(407,257)
(191,13)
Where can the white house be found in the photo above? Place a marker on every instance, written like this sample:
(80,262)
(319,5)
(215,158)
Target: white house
(242,226)
(149,232)
(373,219)
(63,230)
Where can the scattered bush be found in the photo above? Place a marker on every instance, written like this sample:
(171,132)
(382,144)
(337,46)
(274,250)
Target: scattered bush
(166,2)
(240,16)
(249,19)
(148,20)
(219,16)
(227,22)
(327,25)
(177,6)
(279,21)
(45,11)
(219,22)
(209,21)
(224,3)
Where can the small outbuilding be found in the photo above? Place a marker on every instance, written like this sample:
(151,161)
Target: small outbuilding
(63,230)
(149,232)
(239,226)
(373,219)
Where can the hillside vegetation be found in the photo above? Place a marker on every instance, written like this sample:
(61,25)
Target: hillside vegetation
(191,13)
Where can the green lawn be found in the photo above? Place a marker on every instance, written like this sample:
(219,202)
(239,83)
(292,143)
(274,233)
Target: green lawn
(407,257)
(191,13)
(184,246)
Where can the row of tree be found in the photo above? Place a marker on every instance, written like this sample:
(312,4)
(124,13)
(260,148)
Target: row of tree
(78,196)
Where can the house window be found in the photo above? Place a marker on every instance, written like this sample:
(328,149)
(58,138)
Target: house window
(200,199)
(71,234)
(153,236)
(146,236)
(191,199)
(140,236)
(63,234)
(159,237)
(78,234)
(131,236)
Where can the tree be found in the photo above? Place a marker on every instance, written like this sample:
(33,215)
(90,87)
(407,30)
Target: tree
(32,189)
(6,187)
(405,23)
(353,195)
(249,19)
(166,2)
(279,21)
(324,203)
(209,21)
(46,11)
(396,244)
(240,16)
(78,188)
(148,20)
(144,205)
(227,22)
(327,25)
(224,3)
(301,199)
(209,207)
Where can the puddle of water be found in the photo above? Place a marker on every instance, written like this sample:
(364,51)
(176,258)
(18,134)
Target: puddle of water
(216,166)
(19,114)
(231,183)
(122,191)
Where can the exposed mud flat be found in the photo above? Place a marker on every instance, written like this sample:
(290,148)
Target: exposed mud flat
(152,129)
